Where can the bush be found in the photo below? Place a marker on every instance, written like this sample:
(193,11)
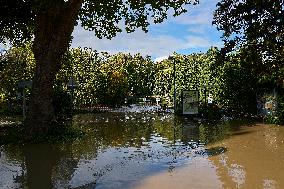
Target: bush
(210,111)
(62,102)
(277,118)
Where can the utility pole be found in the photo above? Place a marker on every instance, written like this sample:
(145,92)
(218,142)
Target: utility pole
(175,94)
(172,58)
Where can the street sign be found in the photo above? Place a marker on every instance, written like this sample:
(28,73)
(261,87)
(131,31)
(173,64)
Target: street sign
(72,83)
(190,102)
(24,84)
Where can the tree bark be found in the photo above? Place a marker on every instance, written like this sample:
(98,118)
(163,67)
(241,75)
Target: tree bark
(54,25)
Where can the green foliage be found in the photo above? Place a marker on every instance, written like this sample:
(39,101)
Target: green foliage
(83,66)
(192,72)
(254,32)
(18,18)
(238,85)
(106,79)
(256,29)
(280,111)
(140,75)
(62,103)
(109,79)
(103,17)
(100,78)
(278,117)
(16,64)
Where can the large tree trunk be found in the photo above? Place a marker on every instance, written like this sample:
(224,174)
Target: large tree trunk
(54,25)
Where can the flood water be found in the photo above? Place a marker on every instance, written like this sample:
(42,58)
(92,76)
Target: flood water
(150,150)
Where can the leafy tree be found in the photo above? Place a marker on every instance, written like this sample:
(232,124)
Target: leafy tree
(16,64)
(256,29)
(163,78)
(238,86)
(50,24)
(105,79)
(140,73)
(83,65)
(116,81)
(193,72)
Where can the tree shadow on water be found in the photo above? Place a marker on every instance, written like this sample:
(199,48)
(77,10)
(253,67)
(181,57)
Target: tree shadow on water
(214,151)
(238,133)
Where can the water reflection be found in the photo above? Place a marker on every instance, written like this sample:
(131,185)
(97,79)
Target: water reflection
(128,150)
(11,167)
(254,159)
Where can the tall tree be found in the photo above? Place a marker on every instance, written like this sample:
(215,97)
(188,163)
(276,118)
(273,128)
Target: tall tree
(49,23)
(257,28)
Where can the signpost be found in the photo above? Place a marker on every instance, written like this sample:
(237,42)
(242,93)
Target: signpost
(72,84)
(190,102)
(158,100)
(23,85)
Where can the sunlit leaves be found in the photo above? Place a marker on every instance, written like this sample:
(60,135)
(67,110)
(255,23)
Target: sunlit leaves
(106,79)
(17,64)
(193,72)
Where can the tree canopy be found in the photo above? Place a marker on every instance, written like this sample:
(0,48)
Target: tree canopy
(257,28)
(50,23)
(105,18)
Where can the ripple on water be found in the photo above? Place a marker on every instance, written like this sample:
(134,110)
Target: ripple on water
(130,150)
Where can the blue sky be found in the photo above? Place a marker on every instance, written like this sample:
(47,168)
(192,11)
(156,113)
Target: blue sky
(187,33)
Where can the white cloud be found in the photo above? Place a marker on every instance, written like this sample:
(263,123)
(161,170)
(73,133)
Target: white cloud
(159,59)
(201,14)
(3,47)
(159,42)
(202,18)
(140,42)
(136,42)
(201,42)
(200,30)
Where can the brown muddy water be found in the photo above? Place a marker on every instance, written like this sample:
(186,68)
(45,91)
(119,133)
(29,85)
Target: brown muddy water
(150,150)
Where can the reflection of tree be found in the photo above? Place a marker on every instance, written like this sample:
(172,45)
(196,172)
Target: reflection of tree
(46,161)
(170,129)
(214,132)
(128,137)
(115,130)
(44,165)
(40,160)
